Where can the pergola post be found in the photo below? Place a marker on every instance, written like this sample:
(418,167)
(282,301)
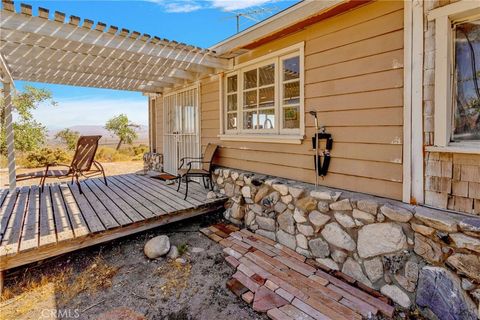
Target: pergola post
(7,93)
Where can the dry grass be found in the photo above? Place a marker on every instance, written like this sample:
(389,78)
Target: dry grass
(175,276)
(96,275)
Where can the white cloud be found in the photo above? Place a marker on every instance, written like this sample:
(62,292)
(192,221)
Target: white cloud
(182,6)
(231,5)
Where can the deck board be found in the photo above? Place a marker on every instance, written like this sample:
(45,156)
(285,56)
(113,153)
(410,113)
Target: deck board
(35,225)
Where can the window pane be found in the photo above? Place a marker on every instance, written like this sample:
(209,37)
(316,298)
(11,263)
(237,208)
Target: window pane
(250,79)
(232,84)
(291,117)
(291,93)
(467,74)
(267,97)
(249,120)
(232,102)
(232,121)
(291,68)
(266,119)
(250,99)
(267,75)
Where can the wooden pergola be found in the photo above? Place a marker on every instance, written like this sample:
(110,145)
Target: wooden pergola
(48,47)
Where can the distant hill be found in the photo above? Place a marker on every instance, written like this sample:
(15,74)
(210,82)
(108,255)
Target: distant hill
(107,137)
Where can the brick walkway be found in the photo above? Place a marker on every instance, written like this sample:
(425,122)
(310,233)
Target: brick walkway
(286,285)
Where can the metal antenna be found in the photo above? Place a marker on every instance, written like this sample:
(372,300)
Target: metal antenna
(253,15)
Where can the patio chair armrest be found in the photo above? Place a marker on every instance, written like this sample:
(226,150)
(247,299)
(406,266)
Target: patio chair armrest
(182,161)
(189,164)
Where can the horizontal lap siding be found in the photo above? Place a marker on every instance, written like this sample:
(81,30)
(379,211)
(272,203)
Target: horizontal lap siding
(354,80)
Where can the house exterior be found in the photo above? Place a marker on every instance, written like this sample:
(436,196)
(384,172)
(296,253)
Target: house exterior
(391,81)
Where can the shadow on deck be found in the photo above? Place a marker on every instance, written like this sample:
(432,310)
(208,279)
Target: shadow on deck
(37,225)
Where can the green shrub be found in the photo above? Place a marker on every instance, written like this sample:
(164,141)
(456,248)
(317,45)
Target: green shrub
(44,156)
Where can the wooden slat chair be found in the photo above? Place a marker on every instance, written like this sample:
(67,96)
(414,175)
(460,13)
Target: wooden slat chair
(81,164)
(205,170)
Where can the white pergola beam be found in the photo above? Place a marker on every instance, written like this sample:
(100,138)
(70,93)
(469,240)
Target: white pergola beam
(70,32)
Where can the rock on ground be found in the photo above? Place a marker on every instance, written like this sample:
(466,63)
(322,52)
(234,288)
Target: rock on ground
(157,247)
(397,295)
(380,238)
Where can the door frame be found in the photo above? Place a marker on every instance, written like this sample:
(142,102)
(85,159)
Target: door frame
(197,120)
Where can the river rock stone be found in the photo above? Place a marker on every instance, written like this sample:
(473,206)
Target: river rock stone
(286,239)
(396,213)
(318,219)
(380,238)
(280,207)
(466,264)
(229,189)
(467,284)
(321,195)
(369,206)
(246,192)
(339,256)
(299,216)
(307,204)
(173,253)
(323,206)
(249,218)
(397,295)
(306,230)
(234,175)
(286,222)
(363,216)
(265,233)
(296,191)
(226,173)
(427,248)
(157,247)
(353,269)
(302,241)
(328,263)
(423,230)
(342,205)
(261,193)
(435,219)
(237,211)
(467,242)
(404,282)
(282,188)
(374,268)
(345,220)
(304,252)
(319,248)
(265,223)
(271,199)
(211,195)
(411,271)
(440,291)
(470,225)
(335,235)
(287,199)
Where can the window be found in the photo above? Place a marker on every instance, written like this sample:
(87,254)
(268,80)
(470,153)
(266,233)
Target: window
(457,65)
(466,102)
(265,97)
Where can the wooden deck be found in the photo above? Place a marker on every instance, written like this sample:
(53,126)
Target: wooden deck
(36,225)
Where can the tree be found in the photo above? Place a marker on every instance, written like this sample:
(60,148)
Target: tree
(29,134)
(122,128)
(68,137)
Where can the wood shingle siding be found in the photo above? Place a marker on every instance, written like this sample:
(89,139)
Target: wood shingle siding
(354,80)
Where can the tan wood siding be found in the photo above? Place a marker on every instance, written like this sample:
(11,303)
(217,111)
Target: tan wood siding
(354,80)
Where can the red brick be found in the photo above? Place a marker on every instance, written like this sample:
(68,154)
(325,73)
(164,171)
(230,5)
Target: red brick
(309,310)
(215,238)
(246,281)
(285,294)
(232,252)
(240,249)
(258,279)
(226,243)
(295,313)
(276,314)
(266,300)
(245,269)
(232,261)
(248,297)
(318,279)
(241,243)
(296,265)
(355,303)
(290,252)
(236,287)
(254,267)
(271,285)
(205,231)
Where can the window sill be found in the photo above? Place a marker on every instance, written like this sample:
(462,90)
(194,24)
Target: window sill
(288,139)
(469,148)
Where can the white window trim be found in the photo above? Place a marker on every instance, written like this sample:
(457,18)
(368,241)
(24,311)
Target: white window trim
(294,136)
(444,48)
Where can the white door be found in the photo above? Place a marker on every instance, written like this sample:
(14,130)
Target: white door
(181,128)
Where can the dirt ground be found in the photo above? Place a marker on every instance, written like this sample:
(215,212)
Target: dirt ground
(116,278)
(111,169)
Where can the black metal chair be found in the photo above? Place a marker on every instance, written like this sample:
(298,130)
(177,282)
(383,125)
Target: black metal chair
(205,170)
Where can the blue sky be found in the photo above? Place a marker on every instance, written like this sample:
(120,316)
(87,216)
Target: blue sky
(197,22)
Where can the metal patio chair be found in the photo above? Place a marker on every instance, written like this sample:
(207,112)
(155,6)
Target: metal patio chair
(81,164)
(205,170)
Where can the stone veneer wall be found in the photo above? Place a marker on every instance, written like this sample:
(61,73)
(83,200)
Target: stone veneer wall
(412,255)
(452,181)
